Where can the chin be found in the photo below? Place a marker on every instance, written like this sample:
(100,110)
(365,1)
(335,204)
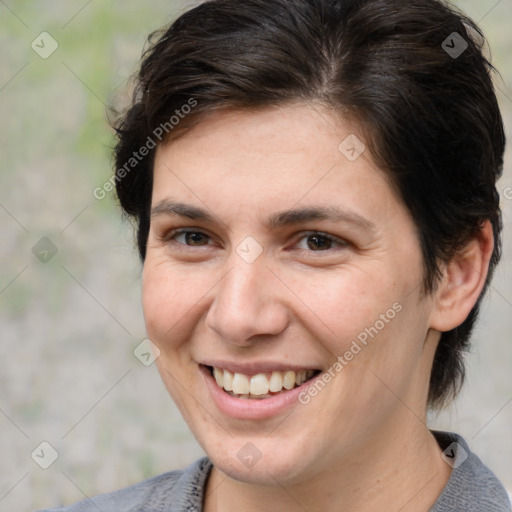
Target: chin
(257,461)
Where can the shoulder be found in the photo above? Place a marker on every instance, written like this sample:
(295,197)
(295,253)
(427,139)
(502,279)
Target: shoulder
(182,488)
(472,487)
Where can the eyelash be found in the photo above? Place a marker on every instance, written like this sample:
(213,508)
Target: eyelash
(170,237)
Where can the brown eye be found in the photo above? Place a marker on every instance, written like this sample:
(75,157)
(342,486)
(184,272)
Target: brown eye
(319,242)
(191,238)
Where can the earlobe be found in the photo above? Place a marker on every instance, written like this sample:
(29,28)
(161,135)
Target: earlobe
(463,280)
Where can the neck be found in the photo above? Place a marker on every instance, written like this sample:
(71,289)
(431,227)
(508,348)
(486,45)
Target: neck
(399,469)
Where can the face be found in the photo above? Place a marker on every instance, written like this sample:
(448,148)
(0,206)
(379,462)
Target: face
(275,256)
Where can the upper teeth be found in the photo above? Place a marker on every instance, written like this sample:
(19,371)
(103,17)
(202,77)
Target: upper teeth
(260,384)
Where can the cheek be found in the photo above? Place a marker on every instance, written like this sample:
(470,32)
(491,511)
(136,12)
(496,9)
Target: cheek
(372,318)
(388,363)
(171,299)
(346,301)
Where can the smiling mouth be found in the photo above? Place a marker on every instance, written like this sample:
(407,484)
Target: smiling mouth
(261,385)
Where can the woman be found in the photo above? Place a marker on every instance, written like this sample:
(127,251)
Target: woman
(314,187)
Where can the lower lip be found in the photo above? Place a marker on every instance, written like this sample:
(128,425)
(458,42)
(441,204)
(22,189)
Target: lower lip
(251,409)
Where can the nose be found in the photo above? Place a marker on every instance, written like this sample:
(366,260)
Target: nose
(246,306)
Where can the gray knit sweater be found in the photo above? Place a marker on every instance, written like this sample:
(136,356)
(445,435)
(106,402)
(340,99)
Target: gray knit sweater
(472,487)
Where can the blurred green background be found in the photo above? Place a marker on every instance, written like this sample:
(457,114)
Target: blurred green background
(68,326)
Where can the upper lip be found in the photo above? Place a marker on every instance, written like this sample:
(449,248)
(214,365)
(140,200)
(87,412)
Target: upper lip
(253,368)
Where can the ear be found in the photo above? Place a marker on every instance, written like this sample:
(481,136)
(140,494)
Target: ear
(463,280)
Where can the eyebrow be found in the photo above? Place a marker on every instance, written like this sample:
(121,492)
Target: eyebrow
(276,220)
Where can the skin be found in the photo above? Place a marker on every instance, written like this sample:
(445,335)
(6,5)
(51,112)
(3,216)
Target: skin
(362,442)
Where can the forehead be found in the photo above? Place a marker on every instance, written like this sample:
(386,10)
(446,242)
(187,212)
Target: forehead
(270,160)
